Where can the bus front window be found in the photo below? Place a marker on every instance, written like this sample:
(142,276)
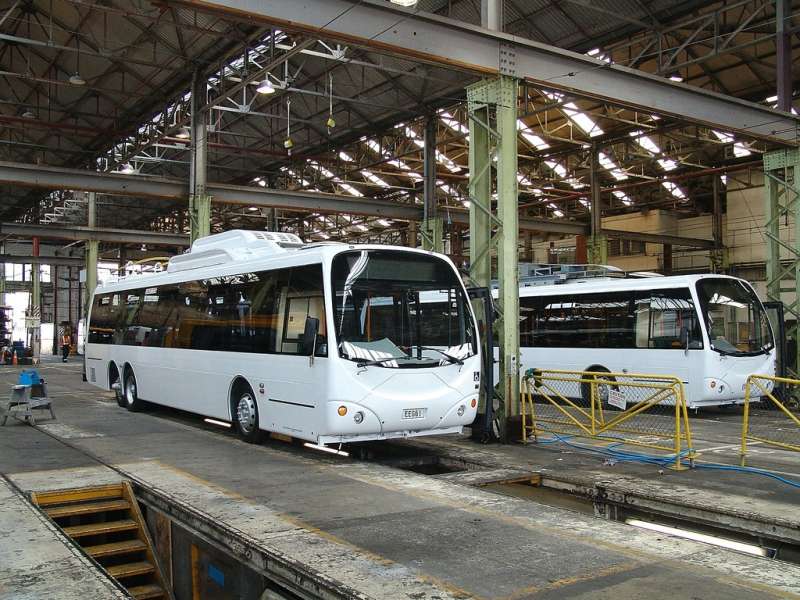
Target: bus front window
(735,319)
(400,310)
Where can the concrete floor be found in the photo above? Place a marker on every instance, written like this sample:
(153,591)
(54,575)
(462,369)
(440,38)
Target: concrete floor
(383,532)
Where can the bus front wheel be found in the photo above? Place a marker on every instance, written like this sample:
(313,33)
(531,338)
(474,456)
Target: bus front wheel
(603,389)
(246,414)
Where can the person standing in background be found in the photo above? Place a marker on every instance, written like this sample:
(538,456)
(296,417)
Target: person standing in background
(65,345)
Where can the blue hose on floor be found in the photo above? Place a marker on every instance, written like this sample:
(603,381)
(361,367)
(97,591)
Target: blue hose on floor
(664,461)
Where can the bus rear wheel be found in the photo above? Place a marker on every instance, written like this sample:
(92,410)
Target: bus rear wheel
(116,385)
(245,414)
(603,390)
(132,401)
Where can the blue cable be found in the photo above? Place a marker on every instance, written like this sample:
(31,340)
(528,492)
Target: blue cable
(626,456)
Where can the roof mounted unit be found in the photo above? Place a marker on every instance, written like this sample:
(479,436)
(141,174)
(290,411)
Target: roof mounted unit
(234,246)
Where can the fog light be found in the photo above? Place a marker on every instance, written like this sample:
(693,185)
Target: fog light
(474,403)
(358,417)
(461,410)
(713,384)
(342,410)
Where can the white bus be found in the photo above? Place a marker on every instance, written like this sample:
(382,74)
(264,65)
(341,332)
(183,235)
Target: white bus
(328,343)
(709,330)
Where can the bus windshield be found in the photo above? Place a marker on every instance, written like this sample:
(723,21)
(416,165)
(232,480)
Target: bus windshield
(400,310)
(734,317)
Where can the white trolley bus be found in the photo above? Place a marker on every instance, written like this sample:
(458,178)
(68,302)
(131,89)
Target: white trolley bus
(709,330)
(328,343)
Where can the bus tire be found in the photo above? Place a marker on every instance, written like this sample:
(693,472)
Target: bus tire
(115,379)
(586,388)
(132,401)
(244,412)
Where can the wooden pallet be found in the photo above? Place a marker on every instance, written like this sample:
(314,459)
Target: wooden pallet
(106,522)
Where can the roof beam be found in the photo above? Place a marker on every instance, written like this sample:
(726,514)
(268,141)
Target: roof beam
(80,232)
(42,176)
(60,261)
(426,37)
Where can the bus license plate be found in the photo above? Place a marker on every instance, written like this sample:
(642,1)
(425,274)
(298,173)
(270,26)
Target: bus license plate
(414,413)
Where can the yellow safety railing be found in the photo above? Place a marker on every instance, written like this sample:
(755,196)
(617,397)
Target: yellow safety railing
(761,425)
(628,408)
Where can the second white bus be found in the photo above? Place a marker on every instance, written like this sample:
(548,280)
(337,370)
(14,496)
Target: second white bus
(711,331)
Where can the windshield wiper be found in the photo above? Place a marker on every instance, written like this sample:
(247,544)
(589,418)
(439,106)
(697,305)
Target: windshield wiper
(449,357)
(377,361)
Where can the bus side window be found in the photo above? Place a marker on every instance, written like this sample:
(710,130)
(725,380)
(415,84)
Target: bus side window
(304,298)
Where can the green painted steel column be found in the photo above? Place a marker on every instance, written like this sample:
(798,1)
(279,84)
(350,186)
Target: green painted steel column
(432,232)
(508,244)
(480,196)
(597,249)
(782,196)
(199,200)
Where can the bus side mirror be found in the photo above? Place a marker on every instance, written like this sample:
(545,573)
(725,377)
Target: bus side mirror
(310,332)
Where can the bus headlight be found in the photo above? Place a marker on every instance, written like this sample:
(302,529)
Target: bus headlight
(461,410)
(358,417)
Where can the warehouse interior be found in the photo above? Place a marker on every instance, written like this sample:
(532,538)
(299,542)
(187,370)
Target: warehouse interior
(648,136)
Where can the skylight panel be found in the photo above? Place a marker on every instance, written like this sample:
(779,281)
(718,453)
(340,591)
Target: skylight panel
(739,149)
(345,156)
(622,197)
(609,165)
(369,175)
(674,190)
(558,168)
(530,137)
(582,120)
(453,123)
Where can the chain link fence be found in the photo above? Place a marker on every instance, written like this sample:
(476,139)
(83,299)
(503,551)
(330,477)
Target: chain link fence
(637,409)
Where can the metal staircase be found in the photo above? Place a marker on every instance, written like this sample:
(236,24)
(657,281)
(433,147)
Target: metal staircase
(106,523)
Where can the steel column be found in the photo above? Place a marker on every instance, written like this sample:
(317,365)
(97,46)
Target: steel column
(718,254)
(432,226)
(92,247)
(36,306)
(782,195)
(598,243)
(492,14)
(480,196)
(497,138)
(783,46)
(508,244)
(199,198)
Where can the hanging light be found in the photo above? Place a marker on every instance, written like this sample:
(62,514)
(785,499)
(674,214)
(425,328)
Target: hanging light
(330,123)
(28,114)
(288,143)
(127,169)
(265,87)
(406,3)
(184,133)
(76,79)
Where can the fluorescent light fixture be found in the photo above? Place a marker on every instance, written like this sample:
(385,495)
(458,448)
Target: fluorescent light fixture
(676,77)
(265,87)
(326,449)
(184,133)
(252,208)
(215,422)
(699,537)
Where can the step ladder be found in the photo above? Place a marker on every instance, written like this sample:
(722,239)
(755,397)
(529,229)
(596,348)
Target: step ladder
(106,522)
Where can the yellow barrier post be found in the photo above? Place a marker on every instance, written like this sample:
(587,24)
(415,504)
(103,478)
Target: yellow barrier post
(745,420)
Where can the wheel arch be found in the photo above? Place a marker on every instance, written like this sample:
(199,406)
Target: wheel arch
(238,383)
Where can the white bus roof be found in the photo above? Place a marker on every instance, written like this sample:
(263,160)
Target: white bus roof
(607,284)
(224,259)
